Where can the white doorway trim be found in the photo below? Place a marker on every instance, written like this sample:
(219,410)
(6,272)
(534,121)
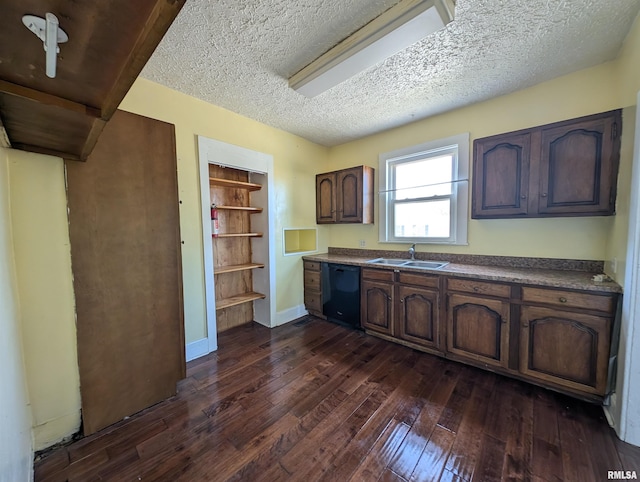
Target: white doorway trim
(260,167)
(626,402)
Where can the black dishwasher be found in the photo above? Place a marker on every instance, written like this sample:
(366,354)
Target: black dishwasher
(341,293)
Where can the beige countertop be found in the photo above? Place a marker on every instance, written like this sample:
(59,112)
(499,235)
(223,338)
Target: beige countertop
(578,280)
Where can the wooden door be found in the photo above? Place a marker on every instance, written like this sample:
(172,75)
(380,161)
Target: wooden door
(377,306)
(565,348)
(349,195)
(125,252)
(579,165)
(501,176)
(417,316)
(478,329)
(326,198)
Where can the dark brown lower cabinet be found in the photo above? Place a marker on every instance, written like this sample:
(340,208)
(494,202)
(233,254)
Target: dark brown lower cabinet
(417,316)
(478,329)
(377,306)
(565,348)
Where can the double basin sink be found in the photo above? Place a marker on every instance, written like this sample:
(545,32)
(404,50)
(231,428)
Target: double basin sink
(408,263)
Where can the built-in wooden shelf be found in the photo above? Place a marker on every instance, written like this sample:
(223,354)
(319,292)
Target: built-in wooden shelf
(236,267)
(250,209)
(239,235)
(216,181)
(238,300)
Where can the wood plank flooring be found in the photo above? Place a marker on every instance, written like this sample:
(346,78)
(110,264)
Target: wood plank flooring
(315,401)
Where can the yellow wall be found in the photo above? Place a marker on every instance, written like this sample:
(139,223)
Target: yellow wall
(581,93)
(628,77)
(16,461)
(45,289)
(295,163)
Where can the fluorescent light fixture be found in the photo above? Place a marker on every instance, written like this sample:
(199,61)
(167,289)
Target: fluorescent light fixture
(47,30)
(396,29)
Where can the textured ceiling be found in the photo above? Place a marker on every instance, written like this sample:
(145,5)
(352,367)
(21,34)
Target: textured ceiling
(238,54)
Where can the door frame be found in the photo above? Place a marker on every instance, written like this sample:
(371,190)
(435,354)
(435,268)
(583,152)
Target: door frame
(260,167)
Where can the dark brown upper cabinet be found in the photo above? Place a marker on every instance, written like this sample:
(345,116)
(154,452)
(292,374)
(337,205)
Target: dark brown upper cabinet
(345,196)
(568,168)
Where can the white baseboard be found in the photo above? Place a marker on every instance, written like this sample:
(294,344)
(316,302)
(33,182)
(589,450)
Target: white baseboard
(290,314)
(197,348)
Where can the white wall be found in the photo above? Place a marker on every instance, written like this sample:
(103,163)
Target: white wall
(16,453)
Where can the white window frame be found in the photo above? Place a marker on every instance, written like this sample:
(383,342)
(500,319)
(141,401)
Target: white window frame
(459,191)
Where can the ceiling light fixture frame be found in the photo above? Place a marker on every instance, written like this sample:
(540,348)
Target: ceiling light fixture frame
(402,25)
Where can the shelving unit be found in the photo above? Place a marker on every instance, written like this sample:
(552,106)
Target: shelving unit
(232,247)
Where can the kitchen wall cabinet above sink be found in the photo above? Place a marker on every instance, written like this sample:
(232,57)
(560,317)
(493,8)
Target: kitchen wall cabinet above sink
(345,196)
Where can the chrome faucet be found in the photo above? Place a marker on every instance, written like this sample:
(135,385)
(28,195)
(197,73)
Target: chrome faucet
(412,252)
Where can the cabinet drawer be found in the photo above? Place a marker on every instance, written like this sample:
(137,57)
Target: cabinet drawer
(311,280)
(313,300)
(312,265)
(479,287)
(569,299)
(377,274)
(428,281)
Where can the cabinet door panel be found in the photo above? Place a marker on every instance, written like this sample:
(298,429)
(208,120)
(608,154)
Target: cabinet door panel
(501,176)
(418,316)
(349,202)
(478,328)
(569,349)
(377,306)
(578,166)
(326,198)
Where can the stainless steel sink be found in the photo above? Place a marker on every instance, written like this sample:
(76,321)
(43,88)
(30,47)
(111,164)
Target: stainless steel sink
(409,263)
(389,261)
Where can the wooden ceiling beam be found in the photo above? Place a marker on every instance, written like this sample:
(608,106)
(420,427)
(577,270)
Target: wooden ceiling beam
(160,19)
(47,99)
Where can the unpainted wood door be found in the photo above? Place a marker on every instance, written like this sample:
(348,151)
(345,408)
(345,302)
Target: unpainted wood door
(377,306)
(565,348)
(326,198)
(125,252)
(417,316)
(501,176)
(478,329)
(578,164)
(349,195)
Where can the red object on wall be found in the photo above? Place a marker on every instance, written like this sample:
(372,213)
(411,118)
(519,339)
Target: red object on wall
(215,227)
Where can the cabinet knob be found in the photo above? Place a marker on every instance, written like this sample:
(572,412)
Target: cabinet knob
(389,298)
(524,196)
(401,301)
(562,299)
(476,289)
(544,194)
(525,325)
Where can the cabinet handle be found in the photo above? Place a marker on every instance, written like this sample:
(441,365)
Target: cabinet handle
(544,194)
(562,299)
(476,289)
(401,301)
(523,196)
(525,325)
(389,298)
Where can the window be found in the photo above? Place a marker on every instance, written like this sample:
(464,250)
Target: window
(424,193)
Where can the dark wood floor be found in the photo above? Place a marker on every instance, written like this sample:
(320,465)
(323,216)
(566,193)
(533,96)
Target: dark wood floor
(314,401)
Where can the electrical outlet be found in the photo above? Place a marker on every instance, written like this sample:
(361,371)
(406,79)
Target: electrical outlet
(613,264)
(362,243)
